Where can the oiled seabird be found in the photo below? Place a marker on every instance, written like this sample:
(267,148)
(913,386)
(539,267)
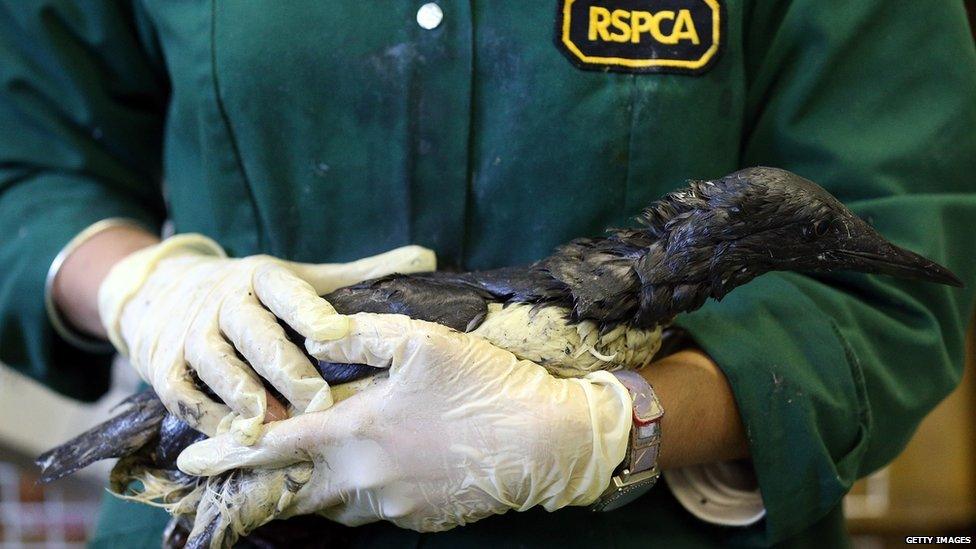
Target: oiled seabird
(595,303)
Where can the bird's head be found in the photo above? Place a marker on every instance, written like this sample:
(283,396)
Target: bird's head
(729,230)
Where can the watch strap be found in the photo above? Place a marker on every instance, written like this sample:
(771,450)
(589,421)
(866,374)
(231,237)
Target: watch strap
(645,434)
(638,472)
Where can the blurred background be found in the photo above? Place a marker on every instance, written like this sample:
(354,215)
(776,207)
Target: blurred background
(32,420)
(930,490)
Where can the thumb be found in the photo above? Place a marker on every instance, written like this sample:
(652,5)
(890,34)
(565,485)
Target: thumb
(385,341)
(284,443)
(328,277)
(372,339)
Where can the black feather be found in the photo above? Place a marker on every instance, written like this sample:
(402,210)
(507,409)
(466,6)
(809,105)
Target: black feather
(120,436)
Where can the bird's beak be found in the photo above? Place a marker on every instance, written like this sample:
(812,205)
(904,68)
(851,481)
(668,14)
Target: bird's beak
(876,255)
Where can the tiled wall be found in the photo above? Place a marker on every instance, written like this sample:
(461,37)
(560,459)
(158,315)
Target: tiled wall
(32,420)
(32,515)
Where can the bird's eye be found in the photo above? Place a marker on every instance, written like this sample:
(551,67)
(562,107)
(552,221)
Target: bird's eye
(807,232)
(811,231)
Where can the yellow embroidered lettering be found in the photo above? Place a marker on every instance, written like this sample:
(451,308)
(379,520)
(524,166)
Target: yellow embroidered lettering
(645,36)
(619,21)
(599,21)
(656,27)
(640,21)
(684,28)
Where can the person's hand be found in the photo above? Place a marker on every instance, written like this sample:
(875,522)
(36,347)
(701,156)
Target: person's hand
(181,309)
(460,430)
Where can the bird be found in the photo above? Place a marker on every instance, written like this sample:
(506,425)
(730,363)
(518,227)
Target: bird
(596,303)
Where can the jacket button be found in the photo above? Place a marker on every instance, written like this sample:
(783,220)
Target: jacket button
(429,16)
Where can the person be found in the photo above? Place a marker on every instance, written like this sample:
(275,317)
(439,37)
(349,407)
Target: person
(489,133)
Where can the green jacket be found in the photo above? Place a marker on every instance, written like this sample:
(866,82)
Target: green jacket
(325,131)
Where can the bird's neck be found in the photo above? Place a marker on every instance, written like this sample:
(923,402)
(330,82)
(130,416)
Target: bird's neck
(643,277)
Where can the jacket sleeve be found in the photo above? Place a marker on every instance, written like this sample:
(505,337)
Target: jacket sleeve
(875,101)
(81,110)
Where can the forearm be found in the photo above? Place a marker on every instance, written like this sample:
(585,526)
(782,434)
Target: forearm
(75,289)
(701,421)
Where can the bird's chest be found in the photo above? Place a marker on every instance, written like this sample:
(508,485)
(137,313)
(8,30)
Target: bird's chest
(544,335)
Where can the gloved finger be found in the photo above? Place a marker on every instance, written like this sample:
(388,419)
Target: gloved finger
(394,342)
(258,336)
(164,367)
(217,365)
(181,398)
(373,339)
(283,443)
(328,277)
(294,301)
(409,348)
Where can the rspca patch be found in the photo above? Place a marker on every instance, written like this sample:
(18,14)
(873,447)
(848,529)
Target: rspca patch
(673,36)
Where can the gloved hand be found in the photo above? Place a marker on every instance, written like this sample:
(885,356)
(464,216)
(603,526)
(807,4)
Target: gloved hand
(459,431)
(180,309)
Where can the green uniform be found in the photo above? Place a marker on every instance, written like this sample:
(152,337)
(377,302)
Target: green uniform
(326,131)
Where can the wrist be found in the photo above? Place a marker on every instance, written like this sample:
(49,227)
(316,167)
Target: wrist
(71,288)
(127,277)
(703,424)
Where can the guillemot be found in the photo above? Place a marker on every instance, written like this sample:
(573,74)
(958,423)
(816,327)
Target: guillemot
(595,303)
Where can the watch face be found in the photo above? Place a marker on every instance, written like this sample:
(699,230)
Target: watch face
(625,494)
(624,499)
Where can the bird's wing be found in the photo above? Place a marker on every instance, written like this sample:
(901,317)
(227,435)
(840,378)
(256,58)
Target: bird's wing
(451,302)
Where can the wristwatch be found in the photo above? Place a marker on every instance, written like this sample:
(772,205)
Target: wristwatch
(638,472)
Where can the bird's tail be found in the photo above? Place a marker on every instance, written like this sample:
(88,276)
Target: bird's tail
(123,435)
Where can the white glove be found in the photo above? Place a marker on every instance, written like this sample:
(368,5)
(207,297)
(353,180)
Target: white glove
(181,308)
(460,430)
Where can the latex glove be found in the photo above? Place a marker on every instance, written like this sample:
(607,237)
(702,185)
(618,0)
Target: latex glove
(180,309)
(460,430)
